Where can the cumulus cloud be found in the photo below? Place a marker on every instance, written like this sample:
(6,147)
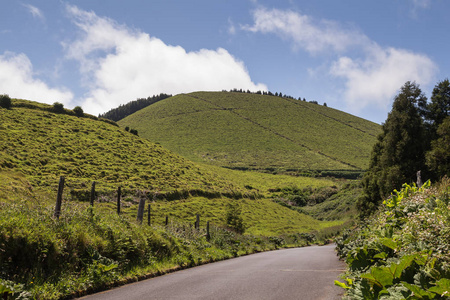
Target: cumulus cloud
(304,31)
(375,79)
(35,12)
(372,78)
(121,64)
(17,80)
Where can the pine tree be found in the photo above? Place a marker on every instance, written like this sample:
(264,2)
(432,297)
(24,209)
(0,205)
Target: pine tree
(399,151)
(438,158)
(439,107)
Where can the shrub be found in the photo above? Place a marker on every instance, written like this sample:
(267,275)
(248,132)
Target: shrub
(78,111)
(5,101)
(58,108)
(234,218)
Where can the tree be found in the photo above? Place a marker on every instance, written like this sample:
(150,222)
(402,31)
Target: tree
(439,107)
(58,108)
(399,151)
(78,111)
(5,101)
(438,158)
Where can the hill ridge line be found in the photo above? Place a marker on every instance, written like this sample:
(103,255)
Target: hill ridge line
(273,131)
(297,102)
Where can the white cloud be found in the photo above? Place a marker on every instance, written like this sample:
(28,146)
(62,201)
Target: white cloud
(419,4)
(372,78)
(305,32)
(35,12)
(17,80)
(377,78)
(121,64)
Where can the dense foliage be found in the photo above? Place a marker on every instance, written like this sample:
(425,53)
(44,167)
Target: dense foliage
(5,101)
(124,110)
(402,251)
(410,130)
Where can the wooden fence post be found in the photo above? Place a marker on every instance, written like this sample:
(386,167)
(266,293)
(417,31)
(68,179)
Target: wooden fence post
(197,222)
(141,208)
(149,215)
(92,193)
(118,200)
(208,236)
(59,197)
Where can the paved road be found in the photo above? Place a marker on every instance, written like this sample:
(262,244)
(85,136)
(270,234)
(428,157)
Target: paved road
(301,273)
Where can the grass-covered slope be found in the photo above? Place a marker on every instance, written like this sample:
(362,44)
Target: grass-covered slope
(39,146)
(257,132)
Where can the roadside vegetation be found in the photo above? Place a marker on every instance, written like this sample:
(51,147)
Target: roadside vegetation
(90,249)
(400,248)
(402,252)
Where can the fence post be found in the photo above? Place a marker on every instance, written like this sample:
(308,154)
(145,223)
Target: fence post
(149,215)
(141,208)
(208,236)
(419,180)
(118,200)
(92,193)
(197,222)
(59,197)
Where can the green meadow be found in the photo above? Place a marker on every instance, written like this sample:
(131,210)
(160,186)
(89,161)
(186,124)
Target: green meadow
(92,248)
(261,132)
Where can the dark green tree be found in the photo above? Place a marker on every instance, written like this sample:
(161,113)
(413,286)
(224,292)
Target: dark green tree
(439,107)
(5,101)
(400,150)
(58,108)
(438,158)
(78,111)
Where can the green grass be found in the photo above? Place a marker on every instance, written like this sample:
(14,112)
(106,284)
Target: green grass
(88,249)
(261,216)
(257,132)
(39,146)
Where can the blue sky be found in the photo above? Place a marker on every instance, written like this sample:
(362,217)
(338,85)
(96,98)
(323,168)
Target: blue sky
(354,55)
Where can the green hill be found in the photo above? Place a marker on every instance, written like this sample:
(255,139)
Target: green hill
(38,146)
(41,146)
(250,131)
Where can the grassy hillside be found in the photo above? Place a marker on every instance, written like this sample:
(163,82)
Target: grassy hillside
(252,131)
(91,248)
(38,146)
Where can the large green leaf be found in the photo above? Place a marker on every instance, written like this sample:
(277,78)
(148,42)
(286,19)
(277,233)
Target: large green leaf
(418,292)
(442,287)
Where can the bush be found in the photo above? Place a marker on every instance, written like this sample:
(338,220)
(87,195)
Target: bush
(78,111)
(58,108)
(234,218)
(5,101)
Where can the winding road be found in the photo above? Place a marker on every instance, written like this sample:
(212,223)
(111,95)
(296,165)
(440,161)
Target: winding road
(300,273)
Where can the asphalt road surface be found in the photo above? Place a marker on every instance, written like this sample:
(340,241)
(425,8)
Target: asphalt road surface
(301,273)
